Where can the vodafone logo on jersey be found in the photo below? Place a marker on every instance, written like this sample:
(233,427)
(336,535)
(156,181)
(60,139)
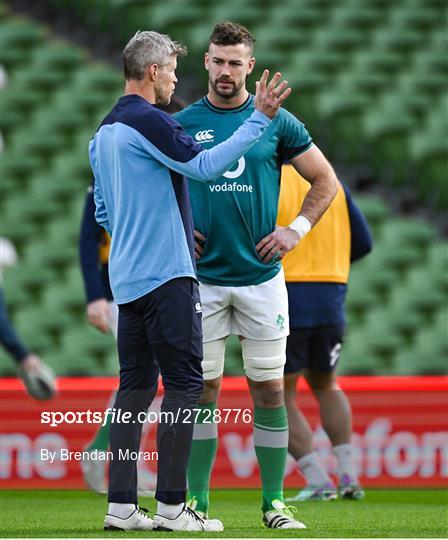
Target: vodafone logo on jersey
(205,136)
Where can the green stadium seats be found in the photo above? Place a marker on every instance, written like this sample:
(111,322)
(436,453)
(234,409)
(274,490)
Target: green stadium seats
(282,45)
(246,13)
(413,232)
(325,61)
(32,277)
(427,357)
(398,319)
(12,57)
(305,88)
(343,113)
(21,100)
(396,257)
(45,80)
(98,78)
(19,36)
(432,60)
(339,38)
(424,300)
(15,295)
(379,280)
(39,143)
(360,299)
(8,368)
(430,155)
(372,81)
(59,57)
(373,208)
(438,256)
(415,16)
(389,131)
(356,357)
(56,254)
(355,14)
(31,328)
(364,80)
(18,166)
(61,120)
(286,14)
(379,60)
(415,103)
(9,118)
(65,298)
(398,39)
(85,337)
(37,210)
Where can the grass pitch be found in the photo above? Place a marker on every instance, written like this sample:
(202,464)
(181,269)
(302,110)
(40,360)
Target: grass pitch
(406,513)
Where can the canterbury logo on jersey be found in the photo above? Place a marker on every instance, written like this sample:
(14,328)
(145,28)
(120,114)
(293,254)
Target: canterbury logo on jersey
(206,135)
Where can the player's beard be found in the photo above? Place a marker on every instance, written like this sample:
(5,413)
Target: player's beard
(231,92)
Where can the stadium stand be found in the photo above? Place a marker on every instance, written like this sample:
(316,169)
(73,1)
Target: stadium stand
(372,84)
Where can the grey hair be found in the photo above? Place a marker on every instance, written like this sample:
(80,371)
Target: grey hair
(147,48)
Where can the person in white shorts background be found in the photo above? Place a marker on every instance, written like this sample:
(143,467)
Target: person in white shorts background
(238,251)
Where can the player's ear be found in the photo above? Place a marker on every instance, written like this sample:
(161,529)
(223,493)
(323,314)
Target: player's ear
(206,60)
(251,65)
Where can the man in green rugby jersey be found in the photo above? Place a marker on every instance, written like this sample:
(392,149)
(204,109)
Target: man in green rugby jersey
(238,251)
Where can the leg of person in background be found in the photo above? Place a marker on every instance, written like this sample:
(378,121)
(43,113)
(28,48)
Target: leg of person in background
(315,353)
(205,436)
(319,485)
(336,417)
(94,471)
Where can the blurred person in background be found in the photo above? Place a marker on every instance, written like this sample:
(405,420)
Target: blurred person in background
(316,275)
(102,314)
(38,378)
(238,251)
(140,157)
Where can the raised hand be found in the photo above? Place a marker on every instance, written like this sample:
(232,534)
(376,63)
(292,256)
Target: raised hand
(268,96)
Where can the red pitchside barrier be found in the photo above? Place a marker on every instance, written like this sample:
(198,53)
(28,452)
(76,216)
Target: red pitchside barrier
(400,433)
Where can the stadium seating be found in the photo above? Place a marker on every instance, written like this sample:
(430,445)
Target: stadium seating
(373,85)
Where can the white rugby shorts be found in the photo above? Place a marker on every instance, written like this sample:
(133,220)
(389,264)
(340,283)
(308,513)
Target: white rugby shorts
(257,312)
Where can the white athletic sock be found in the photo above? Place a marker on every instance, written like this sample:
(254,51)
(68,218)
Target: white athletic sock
(122,511)
(345,457)
(312,469)
(170,511)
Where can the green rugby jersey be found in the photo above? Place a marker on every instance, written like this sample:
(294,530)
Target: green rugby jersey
(240,208)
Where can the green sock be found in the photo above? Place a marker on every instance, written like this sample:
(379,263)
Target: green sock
(271,448)
(101,440)
(202,456)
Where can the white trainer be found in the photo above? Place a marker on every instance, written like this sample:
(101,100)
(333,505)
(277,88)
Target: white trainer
(137,521)
(94,474)
(187,520)
(281,517)
(215,523)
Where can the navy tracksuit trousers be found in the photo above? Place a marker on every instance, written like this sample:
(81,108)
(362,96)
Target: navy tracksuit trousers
(159,331)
